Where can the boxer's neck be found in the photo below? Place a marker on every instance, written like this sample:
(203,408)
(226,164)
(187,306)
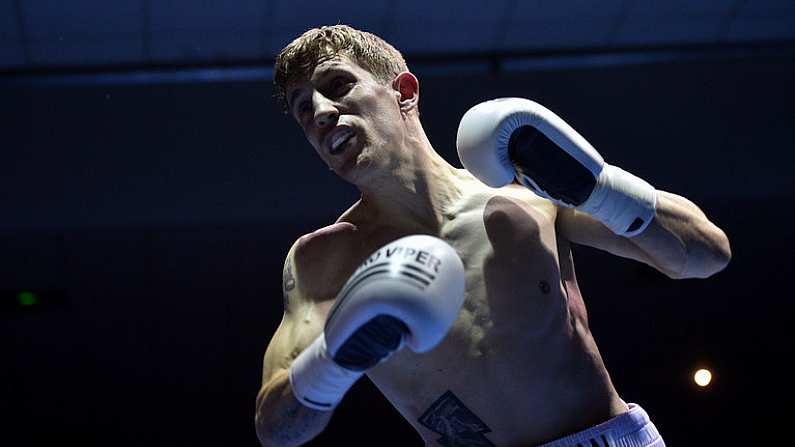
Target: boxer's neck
(417,194)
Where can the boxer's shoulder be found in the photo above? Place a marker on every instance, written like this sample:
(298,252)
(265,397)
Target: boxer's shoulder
(320,260)
(511,200)
(530,200)
(326,241)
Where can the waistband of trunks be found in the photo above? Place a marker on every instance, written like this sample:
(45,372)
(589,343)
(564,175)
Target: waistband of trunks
(631,429)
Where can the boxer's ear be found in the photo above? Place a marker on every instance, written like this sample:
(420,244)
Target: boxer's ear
(408,88)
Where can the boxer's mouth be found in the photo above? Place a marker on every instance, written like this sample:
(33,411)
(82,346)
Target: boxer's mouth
(337,139)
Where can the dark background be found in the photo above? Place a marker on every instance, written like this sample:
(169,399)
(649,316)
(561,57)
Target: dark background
(152,220)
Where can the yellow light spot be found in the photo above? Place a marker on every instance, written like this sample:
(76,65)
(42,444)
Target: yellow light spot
(702,377)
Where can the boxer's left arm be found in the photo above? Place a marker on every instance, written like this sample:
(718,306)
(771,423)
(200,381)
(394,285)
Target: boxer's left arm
(680,241)
(600,205)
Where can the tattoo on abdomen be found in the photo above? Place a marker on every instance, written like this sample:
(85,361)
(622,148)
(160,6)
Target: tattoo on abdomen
(457,424)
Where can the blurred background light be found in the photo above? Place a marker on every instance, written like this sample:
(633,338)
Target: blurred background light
(703,377)
(27,299)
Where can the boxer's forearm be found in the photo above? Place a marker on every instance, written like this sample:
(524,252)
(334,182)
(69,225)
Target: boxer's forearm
(281,420)
(681,241)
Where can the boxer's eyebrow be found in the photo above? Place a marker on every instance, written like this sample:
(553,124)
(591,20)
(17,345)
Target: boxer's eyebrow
(320,77)
(326,75)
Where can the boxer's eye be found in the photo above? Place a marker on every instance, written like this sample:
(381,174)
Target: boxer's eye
(339,86)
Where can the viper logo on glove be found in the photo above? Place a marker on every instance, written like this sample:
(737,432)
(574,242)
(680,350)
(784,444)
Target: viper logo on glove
(407,293)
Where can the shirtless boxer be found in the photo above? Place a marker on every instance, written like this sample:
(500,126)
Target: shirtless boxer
(503,354)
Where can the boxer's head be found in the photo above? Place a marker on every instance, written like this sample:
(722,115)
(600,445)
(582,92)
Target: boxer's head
(297,60)
(353,97)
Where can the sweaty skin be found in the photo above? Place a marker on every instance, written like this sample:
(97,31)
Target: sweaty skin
(520,357)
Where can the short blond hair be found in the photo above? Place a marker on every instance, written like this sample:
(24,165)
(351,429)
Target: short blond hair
(297,60)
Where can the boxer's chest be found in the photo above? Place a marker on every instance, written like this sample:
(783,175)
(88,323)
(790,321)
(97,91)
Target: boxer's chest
(507,244)
(514,297)
(513,277)
(329,258)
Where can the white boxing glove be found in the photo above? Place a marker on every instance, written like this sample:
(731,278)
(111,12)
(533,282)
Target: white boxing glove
(409,292)
(514,137)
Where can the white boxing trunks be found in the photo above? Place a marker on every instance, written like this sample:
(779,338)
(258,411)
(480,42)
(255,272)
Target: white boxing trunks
(631,429)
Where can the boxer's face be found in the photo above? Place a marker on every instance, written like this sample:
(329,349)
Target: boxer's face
(348,116)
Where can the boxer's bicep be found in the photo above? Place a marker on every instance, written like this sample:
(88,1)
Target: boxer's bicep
(277,354)
(301,323)
(291,337)
(583,229)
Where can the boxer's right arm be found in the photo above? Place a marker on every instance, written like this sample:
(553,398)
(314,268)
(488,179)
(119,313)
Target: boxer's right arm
(281,420)
(408,292)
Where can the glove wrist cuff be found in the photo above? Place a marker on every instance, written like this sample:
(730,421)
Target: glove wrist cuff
(622,201)
(316,381)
